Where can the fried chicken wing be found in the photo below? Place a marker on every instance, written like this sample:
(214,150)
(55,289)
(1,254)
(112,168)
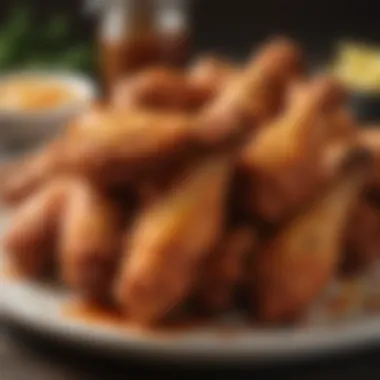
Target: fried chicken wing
(116,145)
(160,88)
(90,241)
(170,240)
(31,238)
(210,74)
(281,167)
(298,263)
(31,173)
(251,96)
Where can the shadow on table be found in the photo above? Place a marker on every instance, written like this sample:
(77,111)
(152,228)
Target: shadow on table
(69,362)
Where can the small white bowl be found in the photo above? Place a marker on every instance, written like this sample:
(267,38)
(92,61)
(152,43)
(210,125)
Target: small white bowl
(26,128)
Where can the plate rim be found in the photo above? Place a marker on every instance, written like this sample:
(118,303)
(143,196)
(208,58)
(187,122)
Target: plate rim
(204,343)
(200,344)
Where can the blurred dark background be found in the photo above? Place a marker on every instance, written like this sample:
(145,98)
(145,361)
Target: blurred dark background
(234,25)
(60,33)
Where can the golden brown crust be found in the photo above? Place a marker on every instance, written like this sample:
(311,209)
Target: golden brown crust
(90,241)
(31,238)
(169,241)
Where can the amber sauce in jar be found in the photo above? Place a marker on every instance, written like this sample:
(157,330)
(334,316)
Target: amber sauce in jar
(174,32)
(136,34)
(127,39)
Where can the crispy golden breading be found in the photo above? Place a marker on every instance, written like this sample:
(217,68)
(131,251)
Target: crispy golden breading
(31,238)
(170,240)
(159,88)
(90,240)
(32,172)
(112,145)
(224,270)
(251,96)
(301,260)
(210,74)
(282,165)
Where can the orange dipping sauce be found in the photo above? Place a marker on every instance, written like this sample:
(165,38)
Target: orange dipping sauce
(34,94)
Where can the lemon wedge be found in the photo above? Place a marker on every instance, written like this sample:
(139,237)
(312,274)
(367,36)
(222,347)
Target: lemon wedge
(358,66)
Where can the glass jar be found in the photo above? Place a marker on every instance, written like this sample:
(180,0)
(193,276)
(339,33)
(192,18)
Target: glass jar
(135,34)
(174,31)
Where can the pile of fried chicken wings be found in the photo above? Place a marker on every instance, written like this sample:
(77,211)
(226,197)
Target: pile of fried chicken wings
(219,186)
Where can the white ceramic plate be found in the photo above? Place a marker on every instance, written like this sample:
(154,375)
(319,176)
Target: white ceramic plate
(40,307)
